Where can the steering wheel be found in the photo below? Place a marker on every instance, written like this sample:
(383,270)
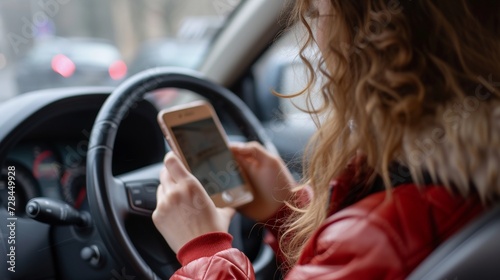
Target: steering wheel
(108,195)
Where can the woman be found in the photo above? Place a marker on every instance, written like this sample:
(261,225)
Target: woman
(409,105)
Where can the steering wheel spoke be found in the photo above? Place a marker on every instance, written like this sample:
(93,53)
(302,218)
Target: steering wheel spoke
(140,186)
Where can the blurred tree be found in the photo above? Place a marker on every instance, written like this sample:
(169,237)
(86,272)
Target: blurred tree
(125,27)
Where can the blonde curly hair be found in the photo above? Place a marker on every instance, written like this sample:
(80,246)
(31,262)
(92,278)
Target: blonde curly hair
(409,82)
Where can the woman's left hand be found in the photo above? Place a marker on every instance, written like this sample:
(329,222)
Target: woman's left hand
(184,210)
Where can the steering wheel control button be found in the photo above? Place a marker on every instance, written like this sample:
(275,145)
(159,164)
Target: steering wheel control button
(138,202)
(142,196)
(32,209)
(92,256)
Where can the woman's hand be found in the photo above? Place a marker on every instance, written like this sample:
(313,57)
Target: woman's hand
(269,177)
(184,210)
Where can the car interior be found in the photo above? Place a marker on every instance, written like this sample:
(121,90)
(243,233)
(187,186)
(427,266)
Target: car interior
(95,149)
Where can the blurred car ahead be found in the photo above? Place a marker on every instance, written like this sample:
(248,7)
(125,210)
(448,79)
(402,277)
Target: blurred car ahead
(64,62)
(175,52)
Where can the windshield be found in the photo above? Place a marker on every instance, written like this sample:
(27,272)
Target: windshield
(64,43)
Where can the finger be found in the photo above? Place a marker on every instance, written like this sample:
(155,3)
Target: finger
(245,146)
(250,149)
(228,212)
(165,178)
(160,194)
(167,155)
(166,182)
(238,144)
(176,168)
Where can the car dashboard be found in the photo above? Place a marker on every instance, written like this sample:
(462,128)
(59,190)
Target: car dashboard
(47,145)
(50,159)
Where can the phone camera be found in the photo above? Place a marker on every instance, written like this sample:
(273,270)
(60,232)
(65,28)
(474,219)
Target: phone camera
(227,197)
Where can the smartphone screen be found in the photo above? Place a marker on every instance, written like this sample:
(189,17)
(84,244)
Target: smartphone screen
(207,155)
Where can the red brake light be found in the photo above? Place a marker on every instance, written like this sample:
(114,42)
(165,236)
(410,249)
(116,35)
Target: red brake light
(62,65)
(118,70)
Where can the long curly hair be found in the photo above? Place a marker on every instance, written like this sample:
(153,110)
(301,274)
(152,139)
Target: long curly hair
(411,82)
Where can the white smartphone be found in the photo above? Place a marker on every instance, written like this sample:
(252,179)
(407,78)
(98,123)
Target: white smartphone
(195,134)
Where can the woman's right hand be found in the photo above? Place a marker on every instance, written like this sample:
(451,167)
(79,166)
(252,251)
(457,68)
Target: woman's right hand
(269,177)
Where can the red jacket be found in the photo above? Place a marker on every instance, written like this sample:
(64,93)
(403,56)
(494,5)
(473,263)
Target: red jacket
(376,238)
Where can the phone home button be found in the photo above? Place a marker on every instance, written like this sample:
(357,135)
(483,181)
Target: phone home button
(227,196)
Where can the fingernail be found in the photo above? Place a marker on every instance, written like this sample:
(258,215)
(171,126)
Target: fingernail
(167,155)
(238,144)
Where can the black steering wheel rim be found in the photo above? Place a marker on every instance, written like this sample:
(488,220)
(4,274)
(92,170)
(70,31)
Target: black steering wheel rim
(107,213)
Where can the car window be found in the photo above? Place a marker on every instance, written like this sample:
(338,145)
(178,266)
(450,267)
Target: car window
(65,43)
(281,70)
